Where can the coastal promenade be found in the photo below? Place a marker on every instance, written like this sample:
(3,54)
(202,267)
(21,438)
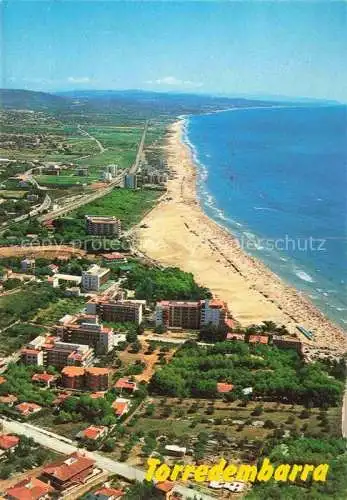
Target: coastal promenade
(180,234)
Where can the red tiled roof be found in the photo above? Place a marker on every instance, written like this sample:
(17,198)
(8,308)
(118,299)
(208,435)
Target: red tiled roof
(29,489)
(43,377)
(217,303)
(113,256)
(69,468)
(27,408)
(2,380)
(93,432)
(223,387)
(8,441)
(120,407)
(165,486)
(124,383)
(259,339)
(26,350)
(97,371)
(110,492)
(72,371)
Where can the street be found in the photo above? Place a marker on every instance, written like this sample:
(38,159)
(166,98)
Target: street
(66,446)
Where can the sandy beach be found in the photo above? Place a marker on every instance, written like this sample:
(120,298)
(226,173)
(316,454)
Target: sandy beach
(180,234)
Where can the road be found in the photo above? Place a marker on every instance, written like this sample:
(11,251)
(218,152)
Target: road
(66,446)
(87,134)
(134,168)
(84,200)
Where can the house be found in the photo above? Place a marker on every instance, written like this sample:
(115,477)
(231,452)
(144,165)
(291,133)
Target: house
(30,488)
(223,388)
(92,432)
(9,400)
(166,489)
(286,342)
(114,257)
(26,409)
(2,380)
(124,384)
(44,378)
(8,442)
(258,339)
(107,494)
(121,406)
(75,470)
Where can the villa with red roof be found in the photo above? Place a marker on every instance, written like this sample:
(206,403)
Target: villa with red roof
(45,379)
(108,494)
(26,409)
(8,442)
(72,471)
(126,385)
(30,488)
(121,406)
(92,432)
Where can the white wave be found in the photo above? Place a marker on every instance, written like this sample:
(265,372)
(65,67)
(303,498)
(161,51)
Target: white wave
(283,259)
(265,208)
(340,309)
(303,276)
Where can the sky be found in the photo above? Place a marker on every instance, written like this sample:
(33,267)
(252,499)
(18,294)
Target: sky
(293,48)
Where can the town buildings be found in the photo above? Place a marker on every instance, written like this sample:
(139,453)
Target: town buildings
(86,329)
(103,226)
(93,379)
(191,315)
(120,311)
(94,277)
(52,352)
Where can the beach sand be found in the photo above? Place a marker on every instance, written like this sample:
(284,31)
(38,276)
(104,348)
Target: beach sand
(180,234)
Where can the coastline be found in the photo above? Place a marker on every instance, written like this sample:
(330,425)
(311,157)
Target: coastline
(180,234)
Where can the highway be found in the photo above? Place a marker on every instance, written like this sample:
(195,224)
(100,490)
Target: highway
(84,200)
(66,446)
(134,168)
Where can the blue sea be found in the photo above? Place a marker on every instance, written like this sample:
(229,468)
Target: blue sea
(276,178)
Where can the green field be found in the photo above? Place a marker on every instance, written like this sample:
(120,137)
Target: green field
(65,180)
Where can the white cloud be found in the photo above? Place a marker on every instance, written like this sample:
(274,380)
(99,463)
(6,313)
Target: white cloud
(172,81)
(79,79)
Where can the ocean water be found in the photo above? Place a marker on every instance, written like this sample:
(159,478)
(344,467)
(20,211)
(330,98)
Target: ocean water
(277,179)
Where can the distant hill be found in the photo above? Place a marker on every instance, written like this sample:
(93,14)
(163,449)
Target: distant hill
(119,106)
(31,100)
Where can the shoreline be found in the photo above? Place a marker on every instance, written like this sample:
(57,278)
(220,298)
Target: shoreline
(180,234)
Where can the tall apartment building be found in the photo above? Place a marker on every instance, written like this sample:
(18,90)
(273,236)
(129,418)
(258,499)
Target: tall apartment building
(86,329)
(121,311)
(92,378)
(52,352)
(103,226)
(190,315)
(94,277)
(64,354)
(213,311)
(177,314)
